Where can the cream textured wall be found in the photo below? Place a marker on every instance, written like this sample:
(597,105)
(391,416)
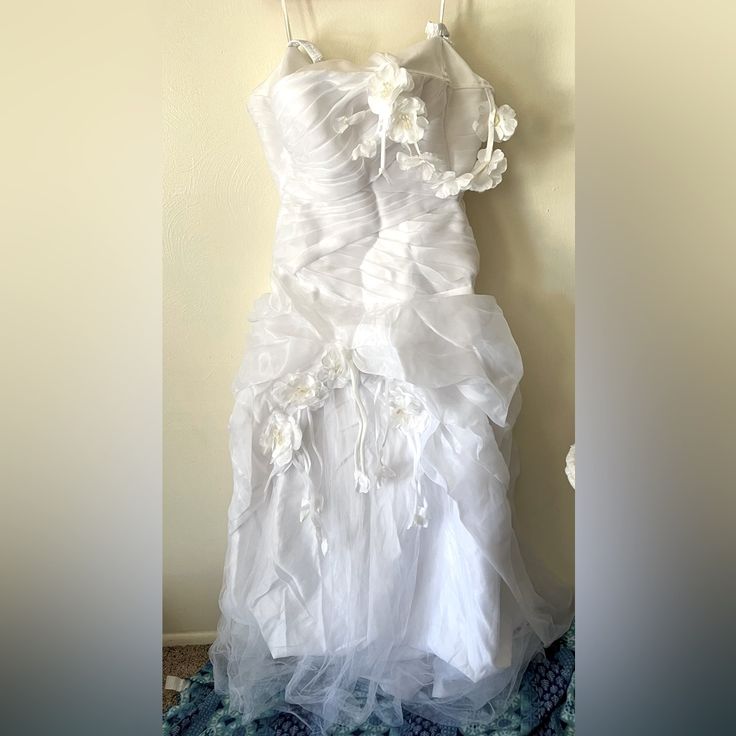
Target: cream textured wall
(220,209)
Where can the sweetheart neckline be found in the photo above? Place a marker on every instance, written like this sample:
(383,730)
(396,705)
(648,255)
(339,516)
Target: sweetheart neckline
(364,63)
(360,67)
(353,66)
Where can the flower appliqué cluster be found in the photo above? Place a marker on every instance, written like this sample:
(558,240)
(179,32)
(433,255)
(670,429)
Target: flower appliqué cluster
(289,431)
(294,396)
(402,118)
(398,116)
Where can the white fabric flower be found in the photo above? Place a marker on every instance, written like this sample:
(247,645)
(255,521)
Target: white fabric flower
(406,411)
(387,82)
(334,370)
(300,391)
(449,184)
(427,163)
(488,170)
(504,123)
(408,121)
(366,149)
(570,466)
(281,438)
(421,517)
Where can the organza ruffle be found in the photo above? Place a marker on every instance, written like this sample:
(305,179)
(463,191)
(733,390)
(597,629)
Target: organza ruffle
(439,619)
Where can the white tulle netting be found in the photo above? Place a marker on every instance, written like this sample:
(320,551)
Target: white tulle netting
(371,563)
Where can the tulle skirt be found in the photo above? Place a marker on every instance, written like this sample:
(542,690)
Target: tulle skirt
(371,561)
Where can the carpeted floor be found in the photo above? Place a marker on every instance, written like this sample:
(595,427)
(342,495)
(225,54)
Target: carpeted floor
(180,662)
(543,706)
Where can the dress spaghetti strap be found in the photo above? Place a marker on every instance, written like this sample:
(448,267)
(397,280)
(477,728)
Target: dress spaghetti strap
(307,47)
(439,29)
(287,25)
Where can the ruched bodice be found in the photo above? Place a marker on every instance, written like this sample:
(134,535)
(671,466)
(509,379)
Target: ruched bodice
(295,111)
(371,563)
(346,231)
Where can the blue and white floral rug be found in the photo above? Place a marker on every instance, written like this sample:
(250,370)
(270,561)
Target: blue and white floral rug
(544,706)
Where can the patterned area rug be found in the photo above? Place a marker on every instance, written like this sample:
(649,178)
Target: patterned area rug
(544,706)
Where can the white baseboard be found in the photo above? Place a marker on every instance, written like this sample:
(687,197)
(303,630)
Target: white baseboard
(189,637)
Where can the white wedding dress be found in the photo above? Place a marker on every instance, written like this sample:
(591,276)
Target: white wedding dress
(371,562)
